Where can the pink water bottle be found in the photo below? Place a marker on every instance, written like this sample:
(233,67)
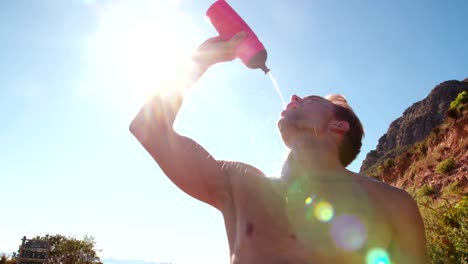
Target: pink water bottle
(227,22)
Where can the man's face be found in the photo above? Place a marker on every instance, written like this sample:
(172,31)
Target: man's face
(311,113)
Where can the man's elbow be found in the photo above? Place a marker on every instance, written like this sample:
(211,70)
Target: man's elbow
(142,127)
(157,116)
(134,126)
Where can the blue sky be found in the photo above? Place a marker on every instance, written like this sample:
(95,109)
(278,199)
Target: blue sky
(74,73)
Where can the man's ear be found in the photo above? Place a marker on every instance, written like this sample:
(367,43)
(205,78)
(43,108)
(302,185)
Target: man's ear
(339,126)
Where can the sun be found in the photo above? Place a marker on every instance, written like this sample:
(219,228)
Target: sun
(141,43)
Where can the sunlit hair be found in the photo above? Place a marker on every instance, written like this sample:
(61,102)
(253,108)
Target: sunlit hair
(352,141)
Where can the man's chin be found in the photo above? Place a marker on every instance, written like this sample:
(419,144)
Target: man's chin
(286,123)
(282,123)
(286,127)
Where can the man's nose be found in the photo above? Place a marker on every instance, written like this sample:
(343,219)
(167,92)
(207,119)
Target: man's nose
(295,98)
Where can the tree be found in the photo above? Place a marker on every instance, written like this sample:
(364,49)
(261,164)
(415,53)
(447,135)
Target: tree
(5,259)
(70,250)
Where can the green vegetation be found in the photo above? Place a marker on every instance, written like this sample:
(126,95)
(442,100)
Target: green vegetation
(458,105)
(461,99)
(4,259)
(380,170)
(388,163)
(446,225)
(421,148)
(419,151)
(426,190)
(444,211)
(372,170)
(65,250)
(452,188)
(446,165)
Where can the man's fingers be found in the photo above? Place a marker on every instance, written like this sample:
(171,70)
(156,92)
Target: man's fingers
(215,50)
(214,39)
(237,39)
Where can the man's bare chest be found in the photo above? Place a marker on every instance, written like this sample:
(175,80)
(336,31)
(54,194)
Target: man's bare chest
(307,222)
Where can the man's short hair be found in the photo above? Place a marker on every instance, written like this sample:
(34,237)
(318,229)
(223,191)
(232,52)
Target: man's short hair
(352,141)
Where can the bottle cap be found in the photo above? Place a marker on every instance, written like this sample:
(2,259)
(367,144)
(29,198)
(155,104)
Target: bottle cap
(264,68)
(258,61)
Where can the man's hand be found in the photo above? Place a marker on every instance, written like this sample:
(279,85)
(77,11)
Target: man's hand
(215,50)
(187,164)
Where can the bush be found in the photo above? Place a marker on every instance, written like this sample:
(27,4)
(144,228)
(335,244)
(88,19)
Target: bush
(457,105)
(422,148)
(5,259)
(446,165)
(446,225)
(426,190)
(388,163)
(380,170)
(452,188)
(461,99)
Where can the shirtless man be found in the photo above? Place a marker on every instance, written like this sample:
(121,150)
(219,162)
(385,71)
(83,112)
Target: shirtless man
(317,212)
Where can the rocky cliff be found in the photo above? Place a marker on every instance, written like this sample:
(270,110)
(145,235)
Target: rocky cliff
(425,152)
(415,124)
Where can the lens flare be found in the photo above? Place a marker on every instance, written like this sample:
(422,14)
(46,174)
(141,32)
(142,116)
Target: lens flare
(377,256)
(323,211)
(310,200)
(348,232)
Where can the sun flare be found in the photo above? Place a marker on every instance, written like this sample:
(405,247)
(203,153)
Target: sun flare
(141,43)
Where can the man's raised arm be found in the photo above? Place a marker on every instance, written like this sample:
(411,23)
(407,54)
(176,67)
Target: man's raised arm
(186,163)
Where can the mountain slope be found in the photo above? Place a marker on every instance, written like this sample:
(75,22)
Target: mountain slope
(425,152)
(414,126)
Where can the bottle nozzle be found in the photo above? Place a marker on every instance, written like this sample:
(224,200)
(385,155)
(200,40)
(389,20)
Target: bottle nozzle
(258,61)
(265,69)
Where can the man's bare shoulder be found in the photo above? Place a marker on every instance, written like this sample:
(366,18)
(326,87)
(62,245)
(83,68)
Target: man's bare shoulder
(392,198)
(386,188)
(402,213)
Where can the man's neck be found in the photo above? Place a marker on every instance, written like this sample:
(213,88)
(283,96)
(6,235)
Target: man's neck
(319,164)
